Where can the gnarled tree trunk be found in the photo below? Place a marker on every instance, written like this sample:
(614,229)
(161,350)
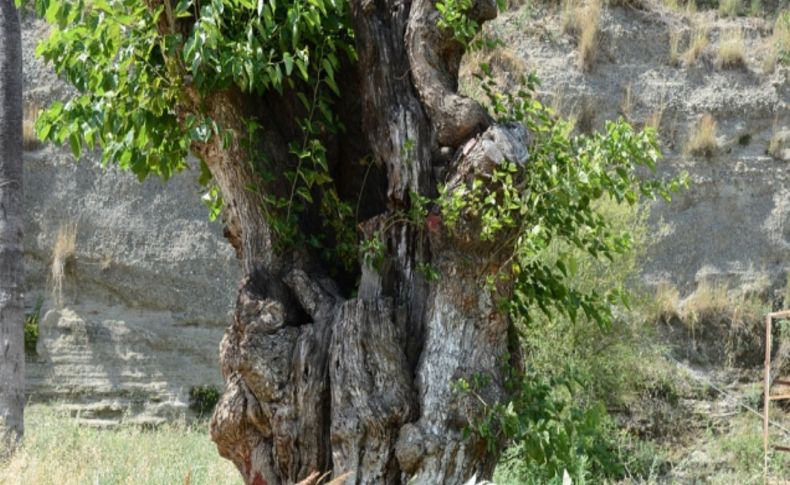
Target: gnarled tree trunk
(12,354)
(318,380)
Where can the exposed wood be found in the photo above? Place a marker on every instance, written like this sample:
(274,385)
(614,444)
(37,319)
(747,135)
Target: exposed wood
(362,385)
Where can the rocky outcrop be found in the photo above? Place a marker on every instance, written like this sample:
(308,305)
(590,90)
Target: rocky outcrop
(145,293)
(733,224)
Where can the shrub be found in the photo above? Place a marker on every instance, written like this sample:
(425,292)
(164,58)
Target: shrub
(32,328)
(203,399)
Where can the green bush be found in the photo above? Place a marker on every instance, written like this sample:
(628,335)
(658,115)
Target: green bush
(575,214)
(31,328)
(203,399)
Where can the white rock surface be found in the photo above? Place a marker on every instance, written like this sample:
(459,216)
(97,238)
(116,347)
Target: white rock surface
(147,294)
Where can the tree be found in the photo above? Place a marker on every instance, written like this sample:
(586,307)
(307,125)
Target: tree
(12,356)
(386,225)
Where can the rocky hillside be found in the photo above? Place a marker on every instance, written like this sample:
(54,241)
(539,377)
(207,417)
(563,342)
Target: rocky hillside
(719,97)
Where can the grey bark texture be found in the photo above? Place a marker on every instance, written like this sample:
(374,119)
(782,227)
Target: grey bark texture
(318,381)
(12,354)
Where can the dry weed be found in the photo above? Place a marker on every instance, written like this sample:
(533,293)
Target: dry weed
(729,8)
(627,103)
(702,140)
(732,50)
(698,43)
(589,23)
(62,255)
(675,36)
(654,120)
(29,139)
(666,303)
(775,146)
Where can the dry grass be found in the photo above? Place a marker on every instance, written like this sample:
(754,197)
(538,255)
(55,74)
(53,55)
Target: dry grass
(558,105)
(775,145)
(588,35)
(729,8)
(702,140)
(786,301)
(698,43)
(665,305)
(627,103)
(62,256)
(732,50)
(582,20)
(29,139)
(779,44)
(654,120)
(708,299)
(59,451)
(727,323)
(569,16)
(674,46)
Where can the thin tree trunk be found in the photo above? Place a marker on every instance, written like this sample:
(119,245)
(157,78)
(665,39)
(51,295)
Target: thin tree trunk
(321,382)
(12,357)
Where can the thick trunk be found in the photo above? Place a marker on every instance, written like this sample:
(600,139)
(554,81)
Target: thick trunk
(319,382)
(12,357)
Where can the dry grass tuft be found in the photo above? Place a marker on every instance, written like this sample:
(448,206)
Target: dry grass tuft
(724,325)
(779,44)
(665,305)
(775,146)
(675,36)
(702,140)
(588,35)
(699,41)
(29,139)
(627,103)
(582,20)
(62,256)
(732,50)
(729,8)
(569,16)
(654,120)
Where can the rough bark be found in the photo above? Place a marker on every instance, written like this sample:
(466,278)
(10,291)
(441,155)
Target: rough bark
(12,357)
(318,381)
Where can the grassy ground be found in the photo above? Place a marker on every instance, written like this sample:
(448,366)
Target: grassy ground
(57,450)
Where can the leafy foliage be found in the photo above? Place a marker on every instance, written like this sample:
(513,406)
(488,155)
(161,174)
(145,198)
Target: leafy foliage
(136,69)
(203,399)
(552,200)
(550,218)
(32,328)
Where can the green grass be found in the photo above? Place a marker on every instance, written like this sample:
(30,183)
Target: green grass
(58,450)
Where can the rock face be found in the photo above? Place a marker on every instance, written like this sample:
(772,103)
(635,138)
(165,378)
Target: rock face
(145,293)
(733,225)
